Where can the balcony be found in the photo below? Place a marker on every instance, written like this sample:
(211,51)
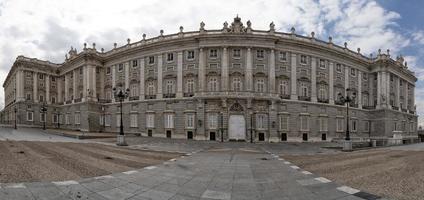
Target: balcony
(411,112)
(188,94)
(339,103)
(284,96)
(150,96)
(69,102)
(105,100)
(404,110)
(368,107)
(167,96)
(134,98)
(323,100)
(304,98)
(77,100)
(395,108)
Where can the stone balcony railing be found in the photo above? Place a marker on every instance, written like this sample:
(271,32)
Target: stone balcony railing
(368,107)
(188,94)
(77,100)
(150,97)
(69,102)
(304,98)
(323,100)
(135,98)
(284,96)
(257,95)
(169,95)
(105,100)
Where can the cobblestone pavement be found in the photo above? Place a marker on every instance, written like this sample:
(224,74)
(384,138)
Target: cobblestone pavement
(31,134)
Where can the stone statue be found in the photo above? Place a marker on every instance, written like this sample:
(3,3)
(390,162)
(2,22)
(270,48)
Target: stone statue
(202,26)
(272,27)
(249,24)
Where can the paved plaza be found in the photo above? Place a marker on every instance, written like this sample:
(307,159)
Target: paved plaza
(207,170)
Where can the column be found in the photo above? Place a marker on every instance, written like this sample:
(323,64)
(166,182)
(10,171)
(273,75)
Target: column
(371,90)
(113,80)
(249,65)
(160,61)
(142,78)
(59,89)
(91,80)
(127,77)
(224,70)
(387,84)
(272,72)
(66,88)
(20,81)
(202,67)
(75,86)
(359,89)
(85,82)
(383,90)
(331,83)
(346,79)
(35,86)
(47,89)
(180,74)
(378,90)
(413,97)
(293,77)
(398,93)
(406,94)
(313,80)
(102,84)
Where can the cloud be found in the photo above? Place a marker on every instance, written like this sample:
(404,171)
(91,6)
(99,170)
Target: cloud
(46,29)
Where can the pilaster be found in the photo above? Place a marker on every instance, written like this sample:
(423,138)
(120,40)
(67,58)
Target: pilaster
(47,89)
(113,79)
(224,70)
(202,67)
(272,72)
(75,86)
(160,79)
(359,89)
(35,86)
(379,90)
(293,77)
(346,79)
(248,74)
(142,78)
(313,80)
(331,83)
(397,93)
(66,88)
(179,74)
(59,89)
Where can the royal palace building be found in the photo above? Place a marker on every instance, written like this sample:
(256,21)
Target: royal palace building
(234,83)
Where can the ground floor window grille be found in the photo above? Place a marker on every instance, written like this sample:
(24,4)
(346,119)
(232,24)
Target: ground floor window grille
(30,116)
(150,120)
(304,123)
(133,119)
(339,124)
(190,120)
(169,120)
(323,124)
(213,120)
(77,118)
(261,121)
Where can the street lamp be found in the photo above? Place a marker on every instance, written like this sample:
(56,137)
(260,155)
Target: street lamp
(16,119)
(251,127)
(43,110)
(350,97)
(121,95)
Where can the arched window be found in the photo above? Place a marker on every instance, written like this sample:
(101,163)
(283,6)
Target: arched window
(151,88)
(236,86)
(190,86)
(284,87)
(260,85)
(170,87)
(213,84)
(304,90)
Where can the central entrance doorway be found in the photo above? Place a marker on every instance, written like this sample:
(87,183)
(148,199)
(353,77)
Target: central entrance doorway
(237,127)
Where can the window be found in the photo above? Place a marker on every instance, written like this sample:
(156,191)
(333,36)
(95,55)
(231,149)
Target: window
(190,86)
(30,116)
(151,88)
(170,57)
(107,120)
(189,120)
(284,122)
(108,70)
(169,87)
(118,120)
(108,95)
(365,76)
(260,54)
(151,59)
(120,67)
(303,59)
(55,118)
(260,85)
(169,120)
(323,124)
(53,99)
(28,97)
(236,66)
(322,64)
(134,90)
(261,121)
(284,87)
(354,127)
(81,70)
(150,120)
(236,53)
(41,99)
(283,56)
(213,65)
(213,84)
(353,72)
(304,123)
(236,86)
(53,79)
(213,120)
(366,126)
(304,91)
(338,68)
(133,119)
(41,76)
(322,92)
(190,55)
(67,121)
(77,118)
(365,100)
(213,53)
(339,124)
(134,63)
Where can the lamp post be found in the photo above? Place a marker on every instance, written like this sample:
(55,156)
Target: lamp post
(16,119)
(251,127)
(121,95)
(43,110)
(350,97)
(221,116)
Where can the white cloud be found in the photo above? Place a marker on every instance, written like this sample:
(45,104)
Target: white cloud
(46,29)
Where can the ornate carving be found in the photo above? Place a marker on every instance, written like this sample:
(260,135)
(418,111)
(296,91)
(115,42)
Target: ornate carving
(236,107)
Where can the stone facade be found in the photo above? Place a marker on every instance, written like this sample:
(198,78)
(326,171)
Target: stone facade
(218,84)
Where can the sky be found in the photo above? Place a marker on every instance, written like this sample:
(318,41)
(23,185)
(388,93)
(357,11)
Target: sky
(47,29)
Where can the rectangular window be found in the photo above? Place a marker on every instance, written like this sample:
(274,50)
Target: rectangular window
(366,126)
(353,72)
(77,118)
(170,57)
(134,122)
(303,59)
(53,79)
(120,67)
(151,59)
(260,54)
(28,97)
(322,64)
(213,53)
(236,53)
(283,56)
(169,120)
(261,121)
(108,70)
(353,124)
(304,123)
(338,68)
(236,65)
(41,99)
(30,116)
(189,120)
(150,120)
(323,124)
(340,122)
(67,121)
(134,63)
(41,76)
(55,119)
(190,55)
(284,122)
(107,120)
(213,120)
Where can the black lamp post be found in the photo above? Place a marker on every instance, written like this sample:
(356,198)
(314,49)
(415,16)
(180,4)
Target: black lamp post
(16,119)
(121,95)
(251,127)
(350,97)
(43,110)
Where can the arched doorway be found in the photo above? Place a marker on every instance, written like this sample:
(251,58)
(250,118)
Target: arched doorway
(236,123)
